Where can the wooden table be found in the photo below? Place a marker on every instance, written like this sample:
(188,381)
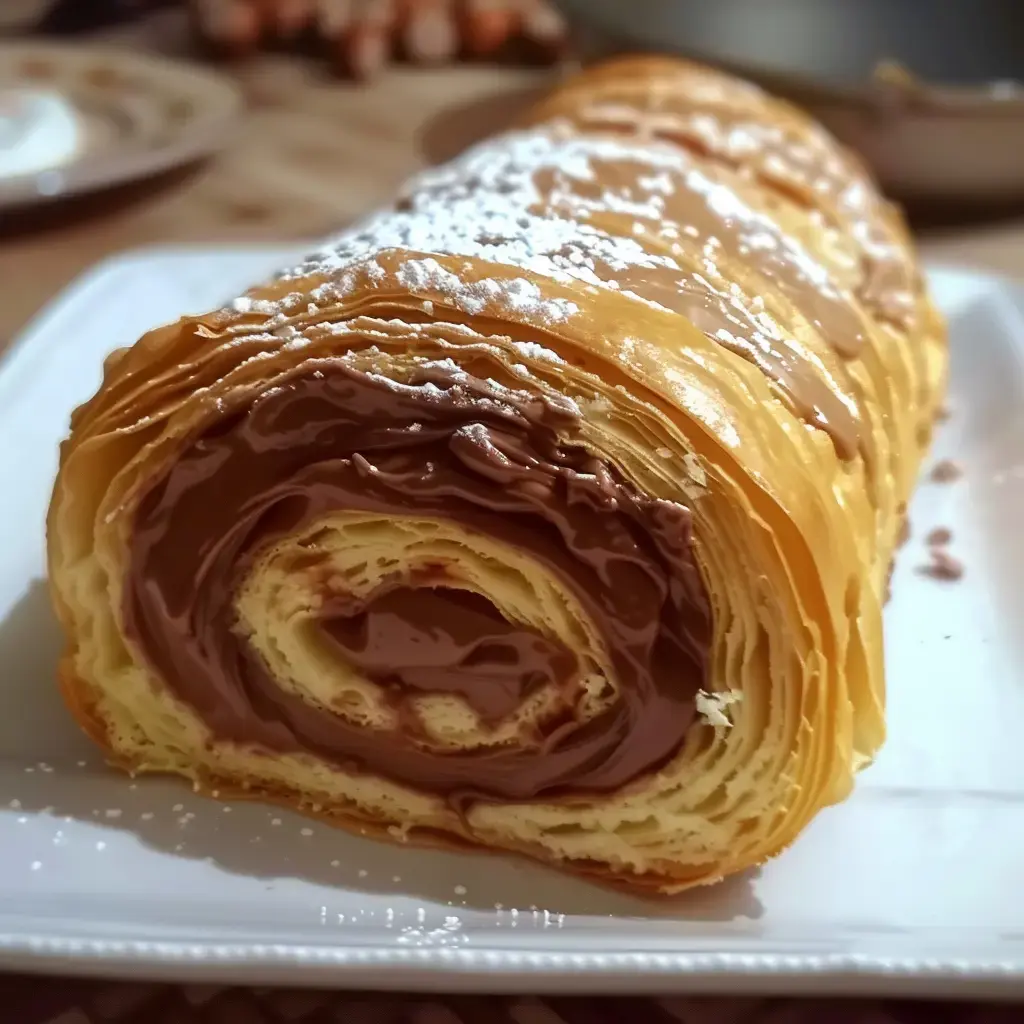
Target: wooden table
(311,154)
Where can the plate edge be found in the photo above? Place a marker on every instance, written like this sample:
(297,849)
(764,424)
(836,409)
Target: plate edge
(342,966)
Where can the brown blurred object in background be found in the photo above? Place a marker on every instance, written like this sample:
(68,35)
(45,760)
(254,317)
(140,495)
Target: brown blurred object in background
(360,36)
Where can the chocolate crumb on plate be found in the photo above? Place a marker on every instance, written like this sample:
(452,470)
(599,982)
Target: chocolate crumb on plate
(943,566)
(946,471)
(939,537)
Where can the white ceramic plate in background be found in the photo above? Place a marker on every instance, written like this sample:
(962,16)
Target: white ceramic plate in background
(74,118)
(953,134)
(913,885)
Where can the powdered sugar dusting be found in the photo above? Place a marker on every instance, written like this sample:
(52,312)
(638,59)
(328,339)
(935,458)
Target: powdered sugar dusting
(533,350)
(426,275)
(660,182)
(510,202)
(547,202)
(516,295)
(286,304)
(507,228)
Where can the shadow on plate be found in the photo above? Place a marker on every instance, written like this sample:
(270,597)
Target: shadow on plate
(38,728)
(60,214)
(64,778)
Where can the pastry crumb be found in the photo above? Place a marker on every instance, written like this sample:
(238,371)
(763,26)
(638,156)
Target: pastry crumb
(943,566)
(697,472)
(712,706)
(946,471)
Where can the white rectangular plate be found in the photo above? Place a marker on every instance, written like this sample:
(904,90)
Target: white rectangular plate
(914,884)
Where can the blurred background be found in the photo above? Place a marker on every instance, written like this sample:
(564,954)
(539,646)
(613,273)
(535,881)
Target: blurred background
(126,123)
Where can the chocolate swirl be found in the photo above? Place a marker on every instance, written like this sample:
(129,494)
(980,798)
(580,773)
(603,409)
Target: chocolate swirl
(448,446)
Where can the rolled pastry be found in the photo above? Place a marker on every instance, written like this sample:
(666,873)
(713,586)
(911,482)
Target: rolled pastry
(548,511)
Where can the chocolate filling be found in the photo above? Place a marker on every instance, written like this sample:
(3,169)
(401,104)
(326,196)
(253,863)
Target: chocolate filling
(441,640)
(447,446)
